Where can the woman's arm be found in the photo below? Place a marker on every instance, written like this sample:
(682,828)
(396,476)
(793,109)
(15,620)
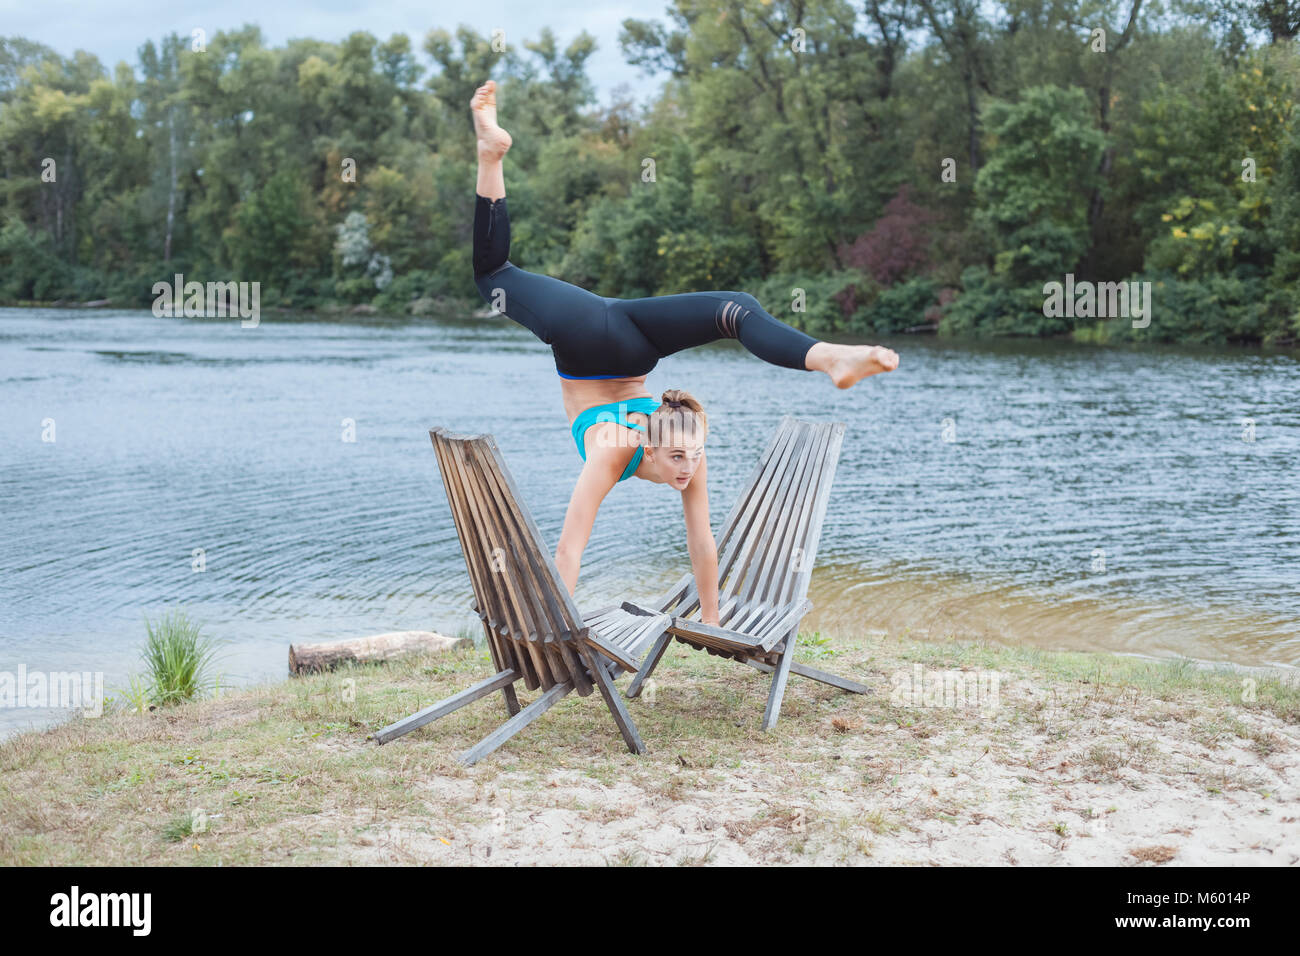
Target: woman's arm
(699,541)
(599,474)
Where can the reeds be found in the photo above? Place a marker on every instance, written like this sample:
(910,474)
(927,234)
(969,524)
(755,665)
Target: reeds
(178,662)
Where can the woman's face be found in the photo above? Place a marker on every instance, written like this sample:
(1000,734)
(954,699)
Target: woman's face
(676,465)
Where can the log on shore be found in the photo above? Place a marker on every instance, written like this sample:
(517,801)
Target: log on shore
(310,658)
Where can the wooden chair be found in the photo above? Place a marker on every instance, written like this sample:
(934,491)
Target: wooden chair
(534,631)
(765,560)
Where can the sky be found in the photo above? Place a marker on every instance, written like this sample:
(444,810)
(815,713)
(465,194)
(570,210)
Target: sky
(115,29)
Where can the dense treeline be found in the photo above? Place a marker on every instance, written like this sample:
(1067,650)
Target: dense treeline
(870,168)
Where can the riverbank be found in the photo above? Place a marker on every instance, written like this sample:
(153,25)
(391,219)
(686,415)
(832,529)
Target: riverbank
(1031,757)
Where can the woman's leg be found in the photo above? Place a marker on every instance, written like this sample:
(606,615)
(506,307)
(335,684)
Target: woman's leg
(676,322)
(493,142)
(491,221)
(491,235)
(553,310)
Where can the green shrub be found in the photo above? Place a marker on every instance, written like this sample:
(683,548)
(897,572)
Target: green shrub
(178,660)
(398,295)
(29,268)
(986,307)
(899,307)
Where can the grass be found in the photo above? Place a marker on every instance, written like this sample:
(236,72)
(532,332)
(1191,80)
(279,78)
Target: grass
(284,773)
(178,665)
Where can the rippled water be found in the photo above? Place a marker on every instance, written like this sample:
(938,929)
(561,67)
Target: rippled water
(1077,497)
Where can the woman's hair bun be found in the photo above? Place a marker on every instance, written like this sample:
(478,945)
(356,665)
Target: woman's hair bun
(680,416)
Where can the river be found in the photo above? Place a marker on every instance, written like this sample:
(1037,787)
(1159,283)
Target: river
(1142,501)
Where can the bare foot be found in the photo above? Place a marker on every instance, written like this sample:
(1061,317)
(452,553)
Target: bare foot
(493,141)
(856,362)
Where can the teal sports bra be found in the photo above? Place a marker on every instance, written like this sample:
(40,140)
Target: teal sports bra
(614,412)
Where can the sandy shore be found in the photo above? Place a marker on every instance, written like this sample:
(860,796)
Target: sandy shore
(1045,759)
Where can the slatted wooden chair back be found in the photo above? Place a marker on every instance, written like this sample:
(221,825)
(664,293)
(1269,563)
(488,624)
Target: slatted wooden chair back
(768,543)
(534,630)
(766,552)
(531,621)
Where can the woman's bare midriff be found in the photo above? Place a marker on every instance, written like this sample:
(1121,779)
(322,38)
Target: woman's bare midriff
(581,394)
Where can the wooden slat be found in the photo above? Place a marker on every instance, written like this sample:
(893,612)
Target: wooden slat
(646,636)
(779,678)
(442,708)
(723,636)
(515,611)
(760,623)
(747,616)
(515,724)
(572,617)
(626,624)
(753,528)
(759,543)
(803,670)
(503,612)
(503,659)
(612,651)
(752,508)
(576,668)
(513,580)
(496,533)
(781,585)
(776,572)
(786,624)
(551,625)
(806,533)
(727,610)
(613,700)
(636,635)
(753,483)
(650,663)
(477,548)
(528,576)
(466,528)
(768,551)
(817,516)
(649,625)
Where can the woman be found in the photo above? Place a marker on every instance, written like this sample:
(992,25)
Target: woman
(604,348)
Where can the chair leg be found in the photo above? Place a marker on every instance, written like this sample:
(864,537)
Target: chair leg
(649,664)
(803,670)
(500,681)
(512,699)
(779,677)
(612,699)
(515,724)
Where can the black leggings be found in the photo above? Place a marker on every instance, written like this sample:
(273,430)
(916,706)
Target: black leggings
(596,337)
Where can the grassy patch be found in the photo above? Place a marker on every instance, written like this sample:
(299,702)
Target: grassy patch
(284,773)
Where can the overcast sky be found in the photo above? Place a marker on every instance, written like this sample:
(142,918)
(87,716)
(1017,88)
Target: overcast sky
(115,29)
